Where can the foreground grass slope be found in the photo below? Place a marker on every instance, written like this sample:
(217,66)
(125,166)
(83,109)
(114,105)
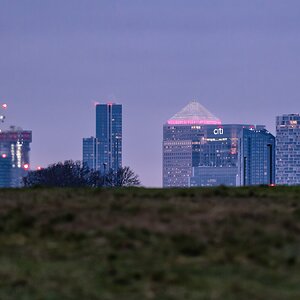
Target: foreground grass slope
(221,243)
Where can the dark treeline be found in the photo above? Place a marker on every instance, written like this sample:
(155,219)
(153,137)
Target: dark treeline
(74,174)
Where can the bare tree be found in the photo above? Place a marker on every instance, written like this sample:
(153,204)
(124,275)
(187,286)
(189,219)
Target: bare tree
(124,177)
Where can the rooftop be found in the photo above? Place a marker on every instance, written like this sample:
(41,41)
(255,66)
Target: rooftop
(194,113)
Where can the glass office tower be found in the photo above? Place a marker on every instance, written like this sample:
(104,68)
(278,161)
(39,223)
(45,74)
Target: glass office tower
(288,149)
(109,135)
(257,157)
(90,148)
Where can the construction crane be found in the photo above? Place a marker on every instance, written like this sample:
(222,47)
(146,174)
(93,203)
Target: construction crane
(2,113)
(2,116)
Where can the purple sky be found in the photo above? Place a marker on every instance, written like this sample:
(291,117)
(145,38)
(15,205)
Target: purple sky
(240,59)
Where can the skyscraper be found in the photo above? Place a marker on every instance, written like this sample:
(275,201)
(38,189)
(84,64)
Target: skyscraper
(183,136)
(288,149)
(15,146)
(256,157)
(109,135)
(104,153)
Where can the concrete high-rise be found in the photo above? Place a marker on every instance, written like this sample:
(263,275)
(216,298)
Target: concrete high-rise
(15,147)
(288,149)
(109,135)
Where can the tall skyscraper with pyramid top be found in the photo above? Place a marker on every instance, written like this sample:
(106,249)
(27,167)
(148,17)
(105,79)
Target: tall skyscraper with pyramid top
(179,134)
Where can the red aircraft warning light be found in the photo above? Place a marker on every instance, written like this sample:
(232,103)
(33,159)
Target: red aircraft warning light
(3,155)
(26,166)
(4,106)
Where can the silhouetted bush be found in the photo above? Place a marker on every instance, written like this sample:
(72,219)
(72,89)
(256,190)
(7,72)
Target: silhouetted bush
(76,174)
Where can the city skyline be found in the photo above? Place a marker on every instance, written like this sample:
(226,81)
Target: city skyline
(239,59)
(200,150)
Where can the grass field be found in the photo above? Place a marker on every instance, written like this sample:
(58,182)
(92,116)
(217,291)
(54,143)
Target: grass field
(136,244)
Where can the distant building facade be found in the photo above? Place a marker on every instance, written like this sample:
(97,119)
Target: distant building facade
(104,152)
(215,155)
(288,149)
(90,155)
(256,157)
(5,171)
(214,176)
(177,162)
(15,148)
(198,150)
(109,135)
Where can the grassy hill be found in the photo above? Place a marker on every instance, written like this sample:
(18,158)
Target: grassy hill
(134,244)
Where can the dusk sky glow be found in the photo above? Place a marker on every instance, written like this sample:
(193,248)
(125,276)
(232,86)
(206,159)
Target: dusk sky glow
(238,58)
